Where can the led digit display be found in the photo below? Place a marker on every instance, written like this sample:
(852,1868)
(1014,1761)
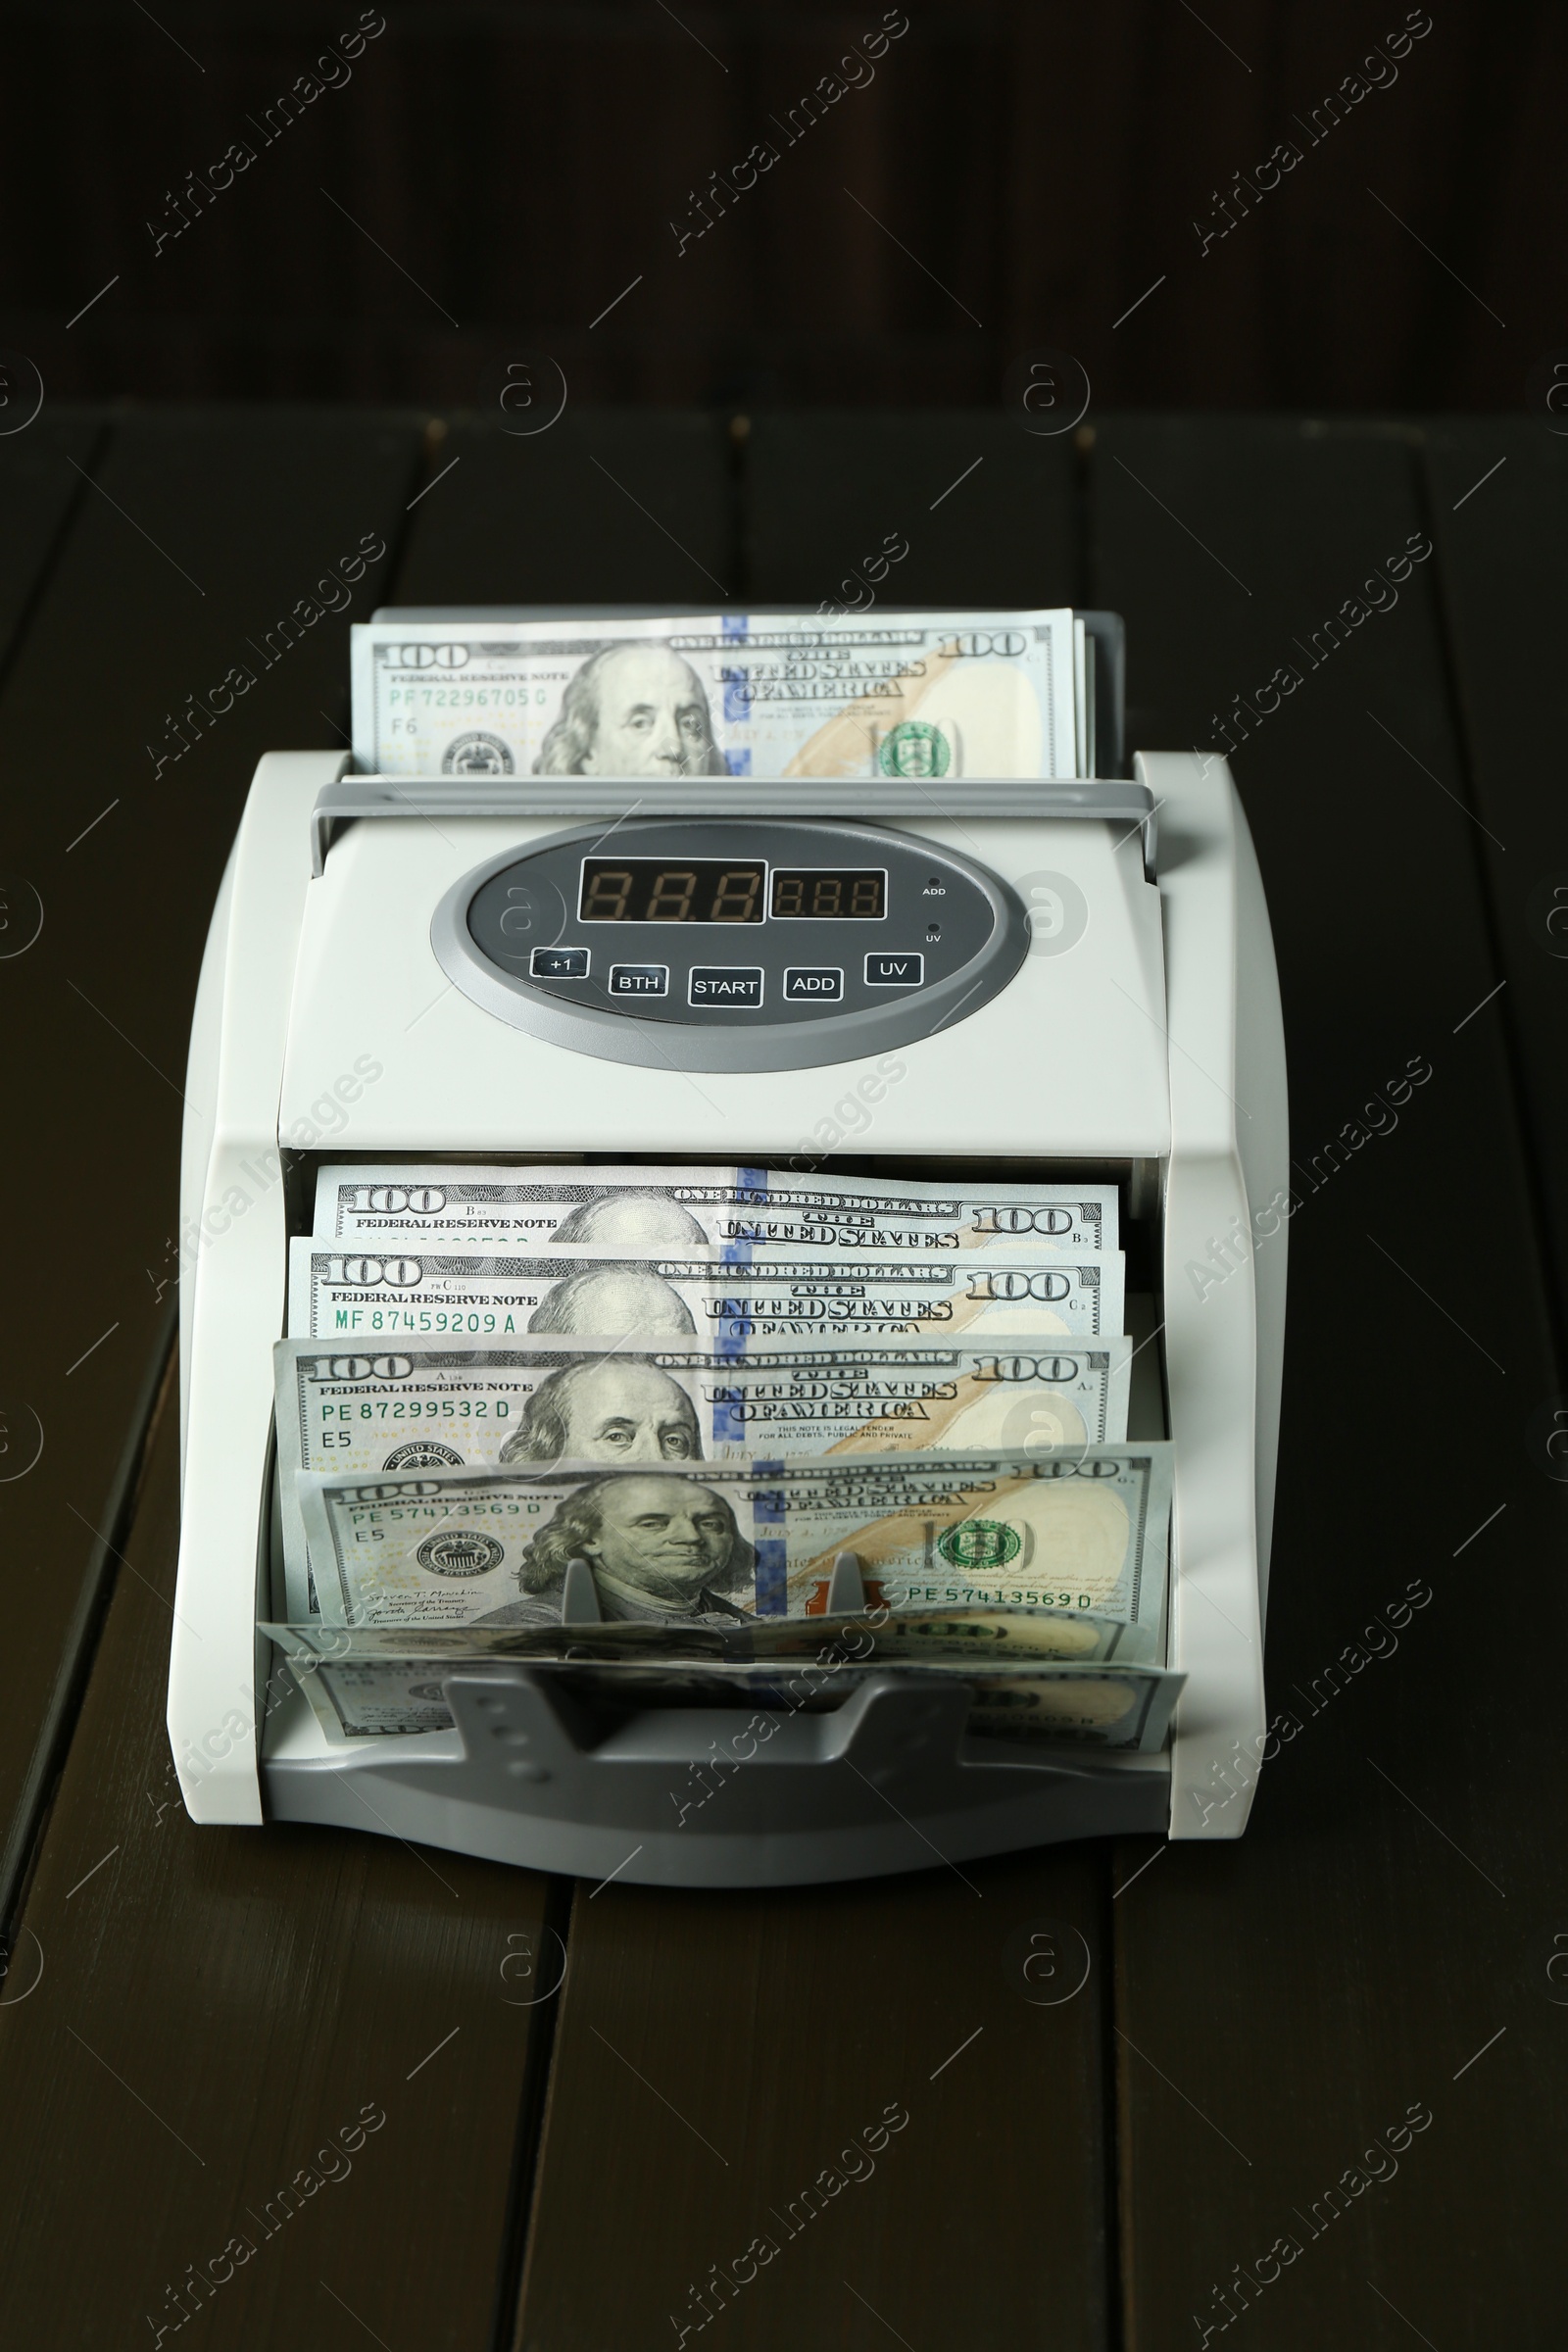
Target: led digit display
(659,890)
(822,894)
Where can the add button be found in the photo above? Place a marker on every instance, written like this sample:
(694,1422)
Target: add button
(895,971)
(813,984)
(737,985)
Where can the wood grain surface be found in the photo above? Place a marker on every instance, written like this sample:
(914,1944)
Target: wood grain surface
(196,534)
(1499,506)
(604,506)
(738,2009)
(195,2022)
(40,486)
(484,182)
(1281,2002)
(1237,2034)
(722,2065)
(989,511)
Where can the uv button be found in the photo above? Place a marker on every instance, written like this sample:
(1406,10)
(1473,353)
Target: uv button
(739,985)
(813,984)
(888,970)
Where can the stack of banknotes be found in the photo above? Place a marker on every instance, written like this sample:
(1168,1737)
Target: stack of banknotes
(920,696)
(627,1423)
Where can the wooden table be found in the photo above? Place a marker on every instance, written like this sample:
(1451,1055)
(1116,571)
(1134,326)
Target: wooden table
(193,2020)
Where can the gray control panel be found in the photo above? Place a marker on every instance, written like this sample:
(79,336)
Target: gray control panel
(759,942)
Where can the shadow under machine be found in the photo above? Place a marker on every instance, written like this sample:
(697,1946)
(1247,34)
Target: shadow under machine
(1048,979)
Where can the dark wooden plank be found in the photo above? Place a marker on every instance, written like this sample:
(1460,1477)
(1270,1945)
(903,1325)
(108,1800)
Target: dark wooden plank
(1499,508)
(988,509)
(1286,1999)
(604,506)
(193,2015)
(1029,170)
(388,1946)
(198,534)
(53,1704)
(38,490)
(40,487)
(721,2054)
(778,2025)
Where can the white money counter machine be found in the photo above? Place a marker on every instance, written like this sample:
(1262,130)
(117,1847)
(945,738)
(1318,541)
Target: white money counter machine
(1064,979)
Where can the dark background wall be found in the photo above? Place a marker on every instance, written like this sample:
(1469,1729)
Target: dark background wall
(1016,175)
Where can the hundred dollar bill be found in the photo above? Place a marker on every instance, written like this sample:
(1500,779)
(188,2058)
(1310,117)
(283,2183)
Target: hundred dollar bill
(1124,1706)
(404,1405)
(990,1636)
(921,695)
(358,1414)
(735,1209)
(672,1542)
(406,1293)
(1112,1706)
(1118,1706)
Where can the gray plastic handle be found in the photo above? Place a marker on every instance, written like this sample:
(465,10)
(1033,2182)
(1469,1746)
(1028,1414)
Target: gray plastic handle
(703,1796)
(716,1797)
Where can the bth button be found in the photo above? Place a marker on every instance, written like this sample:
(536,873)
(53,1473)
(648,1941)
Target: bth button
(887,970)
(813,984)
(639,979)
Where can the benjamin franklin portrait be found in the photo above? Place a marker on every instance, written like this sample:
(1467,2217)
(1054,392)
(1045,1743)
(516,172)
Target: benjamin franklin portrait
(633,1217)
(608,1408)
(659,1545)
(632,710)
(611,1300)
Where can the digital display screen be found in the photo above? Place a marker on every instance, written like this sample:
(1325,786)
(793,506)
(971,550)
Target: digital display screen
(858,896)
(658,889)
(712,890)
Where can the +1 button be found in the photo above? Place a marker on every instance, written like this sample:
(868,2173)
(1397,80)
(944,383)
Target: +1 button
(894,971)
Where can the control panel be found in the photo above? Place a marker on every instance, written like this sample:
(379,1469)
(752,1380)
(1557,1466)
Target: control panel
(745,943)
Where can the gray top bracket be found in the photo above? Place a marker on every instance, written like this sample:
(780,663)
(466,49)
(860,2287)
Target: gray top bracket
(874,799)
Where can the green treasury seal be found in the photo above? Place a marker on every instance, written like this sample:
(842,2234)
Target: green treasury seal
(914,747)
(980,1543)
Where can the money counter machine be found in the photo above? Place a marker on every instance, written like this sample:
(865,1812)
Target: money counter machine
(1021,978)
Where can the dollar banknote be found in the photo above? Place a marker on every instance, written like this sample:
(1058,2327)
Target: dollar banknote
(1119,1707)
(992,1635)
(1112,1706)
(735,1209)
(731,1540)
(918,694)
(396,1294)
(356,1414)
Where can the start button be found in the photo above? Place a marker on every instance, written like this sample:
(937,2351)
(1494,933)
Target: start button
(737,985)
